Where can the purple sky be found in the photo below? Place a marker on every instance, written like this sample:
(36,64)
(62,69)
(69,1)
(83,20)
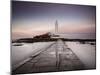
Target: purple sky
(34,18)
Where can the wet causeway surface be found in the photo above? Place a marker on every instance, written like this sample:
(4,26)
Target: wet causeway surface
(56,57)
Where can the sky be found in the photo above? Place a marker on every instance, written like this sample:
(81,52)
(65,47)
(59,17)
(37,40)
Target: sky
(34,18)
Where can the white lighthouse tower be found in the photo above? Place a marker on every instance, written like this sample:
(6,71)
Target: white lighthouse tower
(56,27)
(55,35)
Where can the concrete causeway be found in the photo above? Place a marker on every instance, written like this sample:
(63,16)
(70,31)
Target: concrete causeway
(56,57)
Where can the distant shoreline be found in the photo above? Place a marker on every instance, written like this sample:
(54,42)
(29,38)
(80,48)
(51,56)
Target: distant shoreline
(31,40)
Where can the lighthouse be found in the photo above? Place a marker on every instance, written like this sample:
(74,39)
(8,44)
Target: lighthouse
(56,27)
(55,35)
